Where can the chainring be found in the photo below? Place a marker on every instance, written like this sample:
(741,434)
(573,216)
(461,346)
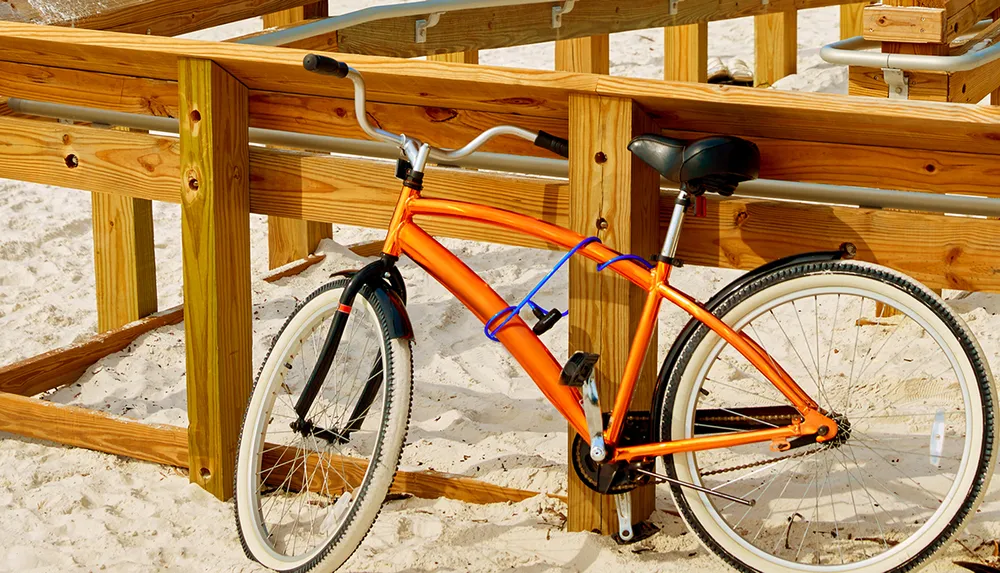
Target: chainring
(618,477)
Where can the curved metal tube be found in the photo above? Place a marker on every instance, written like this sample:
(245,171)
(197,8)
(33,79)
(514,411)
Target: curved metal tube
(365,15)
(849,53)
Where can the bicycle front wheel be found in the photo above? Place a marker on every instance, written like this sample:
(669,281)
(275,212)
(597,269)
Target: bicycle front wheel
(307,494)
(906,383)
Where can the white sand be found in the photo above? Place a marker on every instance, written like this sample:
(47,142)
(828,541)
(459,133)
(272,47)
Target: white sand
(475,411)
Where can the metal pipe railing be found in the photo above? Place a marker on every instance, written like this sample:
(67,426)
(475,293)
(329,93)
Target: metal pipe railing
(761,188)
(850,52)
(374,13)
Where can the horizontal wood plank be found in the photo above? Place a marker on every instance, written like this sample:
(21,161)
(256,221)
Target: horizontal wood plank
(158,17)
(500,27)
(904,24)
(83,428)
(292,269)
(64,365)
(817,117)
(923,86)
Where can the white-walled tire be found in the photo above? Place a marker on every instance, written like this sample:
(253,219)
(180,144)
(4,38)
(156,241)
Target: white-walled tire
(921,448)
(346,494)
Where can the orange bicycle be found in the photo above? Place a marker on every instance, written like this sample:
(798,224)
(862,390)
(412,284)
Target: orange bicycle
(817,414)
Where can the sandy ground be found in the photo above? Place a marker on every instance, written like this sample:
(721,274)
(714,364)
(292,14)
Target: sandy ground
(475,411)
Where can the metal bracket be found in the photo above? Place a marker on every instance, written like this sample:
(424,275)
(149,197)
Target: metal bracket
(422,26)
(673,7)
(899,84)
(559,11)
(765,2)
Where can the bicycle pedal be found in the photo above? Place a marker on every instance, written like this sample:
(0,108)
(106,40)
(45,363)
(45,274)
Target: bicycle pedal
(578,369)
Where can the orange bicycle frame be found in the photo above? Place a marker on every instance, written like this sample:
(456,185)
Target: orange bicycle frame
(406,237)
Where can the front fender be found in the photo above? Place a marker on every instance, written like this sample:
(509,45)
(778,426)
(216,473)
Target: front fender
(395,308)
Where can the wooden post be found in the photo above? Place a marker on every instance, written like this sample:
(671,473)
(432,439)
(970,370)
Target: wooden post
(124,261)
(466,57)
(215,221)
(614,196)
(851,20)
(776,47)
(290,240)
(685,53)
(584,55)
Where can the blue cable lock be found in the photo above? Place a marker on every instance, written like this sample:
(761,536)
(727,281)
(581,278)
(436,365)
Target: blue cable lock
(512,311)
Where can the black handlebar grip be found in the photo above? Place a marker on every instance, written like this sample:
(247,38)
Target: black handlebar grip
(556,145)
(326,66)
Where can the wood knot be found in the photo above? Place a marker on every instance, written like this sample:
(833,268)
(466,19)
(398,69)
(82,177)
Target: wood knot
(741,217)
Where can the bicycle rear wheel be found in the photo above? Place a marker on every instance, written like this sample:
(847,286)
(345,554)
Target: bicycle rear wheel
(908,387)
(307,495)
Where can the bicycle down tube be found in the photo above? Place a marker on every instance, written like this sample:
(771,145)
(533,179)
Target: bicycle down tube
(406,237)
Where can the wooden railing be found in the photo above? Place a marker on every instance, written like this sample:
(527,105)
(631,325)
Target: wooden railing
(218,90)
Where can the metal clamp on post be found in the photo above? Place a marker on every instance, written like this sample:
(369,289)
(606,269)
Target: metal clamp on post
(672,6)
(559,11)
(899,84)
(422,26)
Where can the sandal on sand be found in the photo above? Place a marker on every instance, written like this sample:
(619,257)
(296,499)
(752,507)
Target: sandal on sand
(740,73)
(717,71)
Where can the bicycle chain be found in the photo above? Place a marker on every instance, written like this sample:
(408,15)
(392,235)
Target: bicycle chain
(764,462)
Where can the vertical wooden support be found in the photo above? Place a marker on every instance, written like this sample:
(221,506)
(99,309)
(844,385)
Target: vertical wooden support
(775,47)
(585,55)
(292,239)
(615,196)
(466,57)
(215,222)
(124,262)
(685,53)
(851,20)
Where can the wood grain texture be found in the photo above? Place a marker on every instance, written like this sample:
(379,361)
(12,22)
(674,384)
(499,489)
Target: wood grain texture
(298,185)
(488,28)
(818,117)
(685,53)
(525,92)
(83,428)
(604,310)
(851,20)
(124,260)
(904,24)
(158,17)
(463,57)
(64,365)
(923,86)
(296,15)
(289,240)
(776,48)
(215,226)
(293,269)
(589,55)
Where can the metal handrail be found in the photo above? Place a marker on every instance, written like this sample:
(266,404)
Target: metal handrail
(559,168)
(428,8)
(849,53)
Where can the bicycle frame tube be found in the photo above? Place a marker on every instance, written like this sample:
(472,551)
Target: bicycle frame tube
(406,237)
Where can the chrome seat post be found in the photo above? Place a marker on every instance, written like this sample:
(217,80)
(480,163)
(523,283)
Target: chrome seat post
(676,220)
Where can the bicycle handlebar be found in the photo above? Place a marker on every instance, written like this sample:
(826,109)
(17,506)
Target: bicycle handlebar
(331,67)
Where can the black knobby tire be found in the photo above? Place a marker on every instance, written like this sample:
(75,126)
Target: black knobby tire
(678,397)
(310,317)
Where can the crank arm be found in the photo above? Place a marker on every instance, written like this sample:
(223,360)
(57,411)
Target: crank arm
(705,490)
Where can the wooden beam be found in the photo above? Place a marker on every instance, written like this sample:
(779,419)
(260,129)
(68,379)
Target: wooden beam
(124,261)
(215,223)
(776,46)
(290,240)
(904,24)
(852,20)
(293,269)
(298,185)
(685,53)
(589,55)
(168,445)
(463,57)
(369,249)
(156,17)
(83,428)
(65,365)
(612,196)
(488,28)
(922,86)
